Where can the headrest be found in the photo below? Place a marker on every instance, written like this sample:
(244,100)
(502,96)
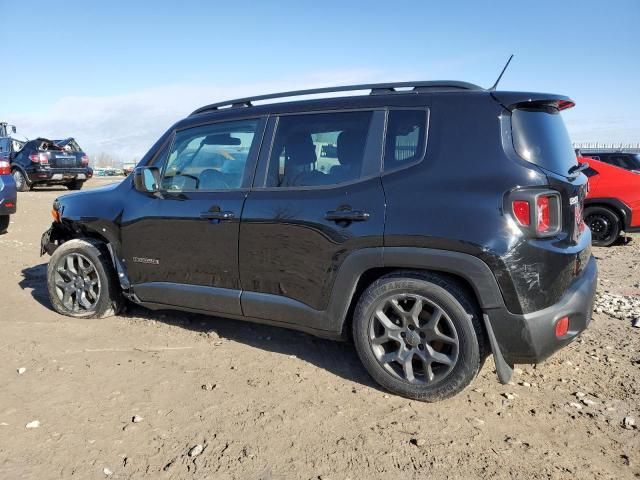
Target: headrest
(300,149)
(350,146)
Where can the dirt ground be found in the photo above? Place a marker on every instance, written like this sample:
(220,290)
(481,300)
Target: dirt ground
(267,403)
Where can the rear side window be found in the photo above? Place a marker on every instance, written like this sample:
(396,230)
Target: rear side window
(540,137)
(319,149)
(406,138)
(629,162)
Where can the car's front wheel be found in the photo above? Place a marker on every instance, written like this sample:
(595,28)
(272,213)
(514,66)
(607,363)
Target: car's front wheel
(4,223)
(81,280)
(419,335)
(604,225)
(22,184)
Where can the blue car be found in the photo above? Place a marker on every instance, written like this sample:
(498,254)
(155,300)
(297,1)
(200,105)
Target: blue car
(8,195)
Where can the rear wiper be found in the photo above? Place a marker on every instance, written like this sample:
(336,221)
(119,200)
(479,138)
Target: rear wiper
(578,168)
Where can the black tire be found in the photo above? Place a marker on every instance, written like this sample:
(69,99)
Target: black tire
(84,299)
(75,185)
(462,323)
(22,184)
(604,224)
(4,223)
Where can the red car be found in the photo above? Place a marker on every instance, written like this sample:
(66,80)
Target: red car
(613,202)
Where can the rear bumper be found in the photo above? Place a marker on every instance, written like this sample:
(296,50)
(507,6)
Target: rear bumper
(59,175)
(8,195)
(530,338)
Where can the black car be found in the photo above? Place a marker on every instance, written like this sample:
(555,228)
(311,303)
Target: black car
(626,160)
(44,162)
(445,225)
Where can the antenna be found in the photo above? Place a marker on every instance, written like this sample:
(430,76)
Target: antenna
(501,73)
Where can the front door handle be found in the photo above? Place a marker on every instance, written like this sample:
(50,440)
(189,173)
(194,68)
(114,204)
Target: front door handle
(347,216)
(225,215)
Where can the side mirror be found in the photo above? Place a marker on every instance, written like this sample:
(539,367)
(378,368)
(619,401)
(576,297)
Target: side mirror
(13,128)
(146,179)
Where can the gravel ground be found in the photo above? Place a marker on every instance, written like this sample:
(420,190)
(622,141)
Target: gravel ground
(173,395)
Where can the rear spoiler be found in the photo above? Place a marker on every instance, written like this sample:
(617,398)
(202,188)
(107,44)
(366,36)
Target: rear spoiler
(511,100)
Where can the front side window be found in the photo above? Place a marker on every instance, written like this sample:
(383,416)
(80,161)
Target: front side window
(319,149)
(210,157)
(406,138)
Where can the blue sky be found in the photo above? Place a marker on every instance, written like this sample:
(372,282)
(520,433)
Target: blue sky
(116,74)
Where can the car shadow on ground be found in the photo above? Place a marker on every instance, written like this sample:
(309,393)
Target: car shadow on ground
(35,279)
(50,189)
(339,358)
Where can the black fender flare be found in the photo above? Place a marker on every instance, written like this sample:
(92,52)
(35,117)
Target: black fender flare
(17,166)
(470,268)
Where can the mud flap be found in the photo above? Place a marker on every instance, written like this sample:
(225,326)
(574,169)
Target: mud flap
(503,369)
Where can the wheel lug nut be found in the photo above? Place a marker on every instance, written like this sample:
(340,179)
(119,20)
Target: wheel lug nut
(402,334)
(421,347)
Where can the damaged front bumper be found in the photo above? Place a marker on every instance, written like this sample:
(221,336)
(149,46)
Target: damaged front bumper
(50,240)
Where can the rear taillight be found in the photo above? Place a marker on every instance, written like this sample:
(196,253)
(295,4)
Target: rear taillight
(5,167)
(537,213)
(42,158)
(84,160)
(521,212)
(544,214)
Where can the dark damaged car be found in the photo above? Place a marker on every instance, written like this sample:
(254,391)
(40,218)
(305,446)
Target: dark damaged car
(432,223)
(46,162)
(7,193)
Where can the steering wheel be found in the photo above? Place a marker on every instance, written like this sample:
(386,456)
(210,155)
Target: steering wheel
(212,179)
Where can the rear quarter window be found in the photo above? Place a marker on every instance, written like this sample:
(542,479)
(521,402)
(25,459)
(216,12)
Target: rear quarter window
(406,138)
(540,137)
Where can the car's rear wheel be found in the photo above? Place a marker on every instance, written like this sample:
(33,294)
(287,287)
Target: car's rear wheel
(604,225)
(81,280)
(4,223)
(75,185)
(22,185)
(419,335)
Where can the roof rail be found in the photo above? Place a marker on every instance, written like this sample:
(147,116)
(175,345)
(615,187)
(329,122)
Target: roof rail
(376,88)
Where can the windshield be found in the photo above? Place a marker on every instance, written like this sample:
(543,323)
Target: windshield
(540,137)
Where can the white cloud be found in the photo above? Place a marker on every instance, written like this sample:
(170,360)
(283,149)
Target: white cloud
(125,126)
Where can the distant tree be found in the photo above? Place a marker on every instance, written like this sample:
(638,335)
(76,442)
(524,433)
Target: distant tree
(103,160)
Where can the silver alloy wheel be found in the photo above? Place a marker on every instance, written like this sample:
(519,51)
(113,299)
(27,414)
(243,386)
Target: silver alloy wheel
(77,283)
(413,339)
(18,177)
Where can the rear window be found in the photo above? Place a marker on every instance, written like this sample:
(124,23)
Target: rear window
(540,137)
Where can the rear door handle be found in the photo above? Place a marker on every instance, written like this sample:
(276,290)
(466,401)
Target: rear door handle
(225,215)
(347,216)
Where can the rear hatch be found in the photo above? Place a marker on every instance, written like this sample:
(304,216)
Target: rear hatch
(59,157)
(540,137)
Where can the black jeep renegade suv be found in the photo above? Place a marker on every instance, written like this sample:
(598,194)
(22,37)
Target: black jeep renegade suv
(431,222)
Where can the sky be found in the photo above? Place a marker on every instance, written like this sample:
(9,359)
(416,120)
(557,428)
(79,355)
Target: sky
(115,75)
